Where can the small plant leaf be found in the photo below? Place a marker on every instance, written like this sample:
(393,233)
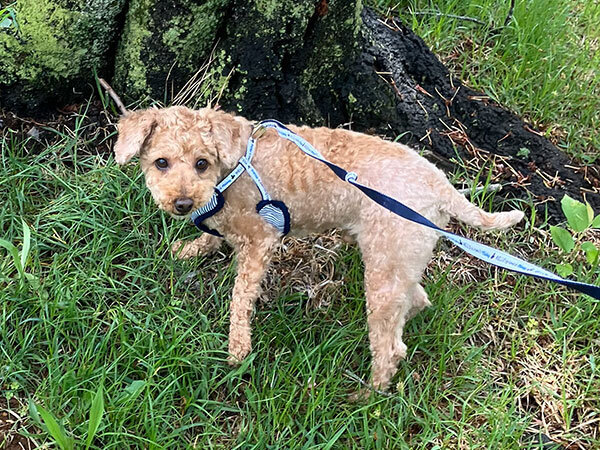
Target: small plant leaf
(562,238)
(576,214)
(33,413)
(132,391)
(564,270)
(596,222)
(33,281)
(26,245)
(96,413)
(590,212)
(55,430)
(15,255)
(591,252)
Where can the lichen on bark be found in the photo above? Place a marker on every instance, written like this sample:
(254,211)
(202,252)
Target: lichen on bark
(163,44)
(55,43)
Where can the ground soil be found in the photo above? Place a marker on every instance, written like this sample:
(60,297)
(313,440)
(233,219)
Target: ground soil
(10,425)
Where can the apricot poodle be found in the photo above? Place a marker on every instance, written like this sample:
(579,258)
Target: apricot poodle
(185,153)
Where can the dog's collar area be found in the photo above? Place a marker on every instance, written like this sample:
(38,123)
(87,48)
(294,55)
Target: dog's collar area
(272,211)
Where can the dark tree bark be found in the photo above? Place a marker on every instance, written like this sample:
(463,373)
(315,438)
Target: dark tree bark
(329,62)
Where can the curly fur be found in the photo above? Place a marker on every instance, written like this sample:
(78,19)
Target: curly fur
(395,251)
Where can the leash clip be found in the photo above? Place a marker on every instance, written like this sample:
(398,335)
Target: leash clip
(258,131)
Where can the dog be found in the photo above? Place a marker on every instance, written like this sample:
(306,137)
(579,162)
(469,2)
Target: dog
(185,153)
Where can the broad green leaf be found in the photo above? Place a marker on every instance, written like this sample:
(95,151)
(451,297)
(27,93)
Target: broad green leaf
(596,222)
(564,270)
(55,430)
(562,238)
(15,255)
(591,252)
(576,213)
(96,413)
(26,244)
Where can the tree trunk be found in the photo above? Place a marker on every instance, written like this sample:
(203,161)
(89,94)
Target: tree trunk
(50,48)
(329,62)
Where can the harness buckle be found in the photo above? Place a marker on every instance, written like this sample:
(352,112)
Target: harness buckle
(258,131)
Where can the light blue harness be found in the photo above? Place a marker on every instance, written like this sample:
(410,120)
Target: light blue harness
(276,213)
(272,211)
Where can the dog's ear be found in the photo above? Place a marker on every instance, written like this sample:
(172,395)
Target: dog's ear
(134,130)
(226,133)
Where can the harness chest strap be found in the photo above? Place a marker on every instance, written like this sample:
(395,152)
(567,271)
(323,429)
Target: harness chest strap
(272,211)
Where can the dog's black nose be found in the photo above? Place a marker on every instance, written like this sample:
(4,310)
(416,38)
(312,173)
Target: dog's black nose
(183,205)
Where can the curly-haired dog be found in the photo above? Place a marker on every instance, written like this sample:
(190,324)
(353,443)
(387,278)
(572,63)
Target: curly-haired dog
(184,154)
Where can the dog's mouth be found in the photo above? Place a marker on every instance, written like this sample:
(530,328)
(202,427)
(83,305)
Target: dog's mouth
(181,208)
(179,216)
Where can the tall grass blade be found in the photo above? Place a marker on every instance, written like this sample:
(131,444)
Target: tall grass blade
(26,245)
(55,430)
(96,414)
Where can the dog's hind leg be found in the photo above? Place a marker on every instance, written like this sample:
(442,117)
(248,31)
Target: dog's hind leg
(387,300)
(395,254)
(386,306)
(419,301)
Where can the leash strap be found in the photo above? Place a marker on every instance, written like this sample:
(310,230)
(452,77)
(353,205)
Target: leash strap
(480,251)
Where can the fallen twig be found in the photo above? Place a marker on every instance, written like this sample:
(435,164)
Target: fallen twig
(489,188)
(450,16)
(113,95)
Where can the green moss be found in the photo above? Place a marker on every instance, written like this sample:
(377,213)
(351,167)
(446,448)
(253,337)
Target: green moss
(130,69)
(335,43)
(192,33)
(55,42)
(41,44)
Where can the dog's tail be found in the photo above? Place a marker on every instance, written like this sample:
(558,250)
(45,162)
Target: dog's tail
(457,206)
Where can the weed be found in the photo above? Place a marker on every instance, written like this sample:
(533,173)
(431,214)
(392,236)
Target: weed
(580,219)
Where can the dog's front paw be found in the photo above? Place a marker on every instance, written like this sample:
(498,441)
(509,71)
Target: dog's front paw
(237,353)
(183,250)
(204,245)
(233,361)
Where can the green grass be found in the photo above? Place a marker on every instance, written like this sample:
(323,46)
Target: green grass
(110,308)
(104,308)
(545,65)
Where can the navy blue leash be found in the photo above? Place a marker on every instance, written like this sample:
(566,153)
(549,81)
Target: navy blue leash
(480,251)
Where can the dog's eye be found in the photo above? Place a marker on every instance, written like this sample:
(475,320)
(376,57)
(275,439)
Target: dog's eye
(201,165)
(161,164)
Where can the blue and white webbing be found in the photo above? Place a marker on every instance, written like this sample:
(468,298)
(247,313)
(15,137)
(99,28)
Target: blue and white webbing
(480,251)
(272,211)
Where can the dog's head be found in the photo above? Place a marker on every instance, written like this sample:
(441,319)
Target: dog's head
(183,152)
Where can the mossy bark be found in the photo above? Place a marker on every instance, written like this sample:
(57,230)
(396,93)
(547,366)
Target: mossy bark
(164,42)
(281,57)
(53,48)
(315,62)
